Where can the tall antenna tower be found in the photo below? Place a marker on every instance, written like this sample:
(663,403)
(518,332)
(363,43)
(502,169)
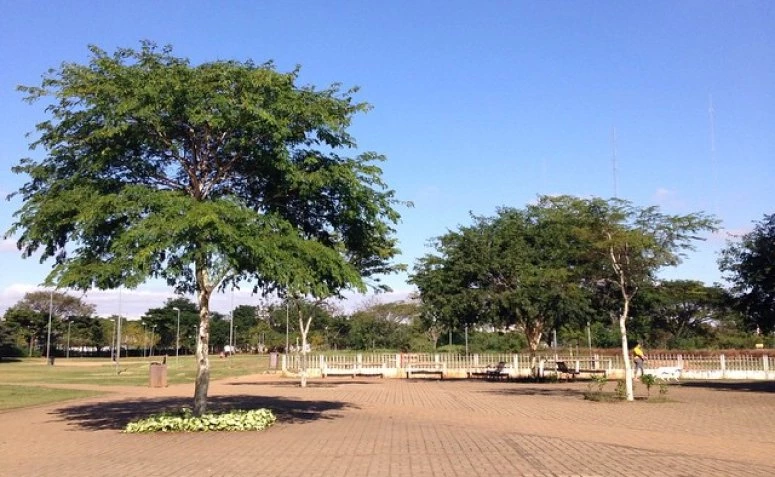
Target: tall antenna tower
(613,162)
(713,164)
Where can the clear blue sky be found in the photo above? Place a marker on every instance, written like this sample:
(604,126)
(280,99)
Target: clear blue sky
(476,104)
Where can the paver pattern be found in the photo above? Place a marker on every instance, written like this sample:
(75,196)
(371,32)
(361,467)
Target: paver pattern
(376,427)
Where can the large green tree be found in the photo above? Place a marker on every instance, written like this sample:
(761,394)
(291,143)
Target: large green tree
(749,263)
(205,176)
(517,268)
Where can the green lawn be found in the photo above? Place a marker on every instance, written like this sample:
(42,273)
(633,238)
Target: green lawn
(15,396)
(132,371)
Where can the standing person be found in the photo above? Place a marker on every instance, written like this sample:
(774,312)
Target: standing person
(639,358)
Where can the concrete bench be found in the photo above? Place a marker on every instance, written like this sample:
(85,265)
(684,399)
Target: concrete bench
(353,371)
(425,368)
(491,372)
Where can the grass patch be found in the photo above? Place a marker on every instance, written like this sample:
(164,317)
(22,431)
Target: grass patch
(131,372)
(14,397)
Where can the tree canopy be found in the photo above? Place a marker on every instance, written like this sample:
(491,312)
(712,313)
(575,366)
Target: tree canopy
(205,176)
(749,264)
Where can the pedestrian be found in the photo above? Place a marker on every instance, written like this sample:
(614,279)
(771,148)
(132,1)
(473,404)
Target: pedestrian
(638,358)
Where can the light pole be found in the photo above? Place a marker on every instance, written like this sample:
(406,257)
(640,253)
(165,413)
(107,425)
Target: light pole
(145,339)
(177,337)
(69,322)
(234,344)
(589,338)
(48,340)
(153,335)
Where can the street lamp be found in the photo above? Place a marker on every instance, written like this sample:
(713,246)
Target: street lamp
(69,322)
(153,335)
(48,340)
(177,337)
(145,338)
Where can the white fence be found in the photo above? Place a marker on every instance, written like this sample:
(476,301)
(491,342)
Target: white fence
(394,365)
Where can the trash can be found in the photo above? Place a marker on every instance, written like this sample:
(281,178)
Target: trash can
(273,360)
(158,375)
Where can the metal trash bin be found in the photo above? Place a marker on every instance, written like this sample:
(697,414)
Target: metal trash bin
(158,375)
(273,360)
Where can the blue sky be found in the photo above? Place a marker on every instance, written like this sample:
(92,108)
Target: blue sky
(476,104)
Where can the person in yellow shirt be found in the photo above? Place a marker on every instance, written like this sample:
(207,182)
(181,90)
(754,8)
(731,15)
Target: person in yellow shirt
(639,358)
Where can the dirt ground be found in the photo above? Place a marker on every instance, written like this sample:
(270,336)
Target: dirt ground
(418,427)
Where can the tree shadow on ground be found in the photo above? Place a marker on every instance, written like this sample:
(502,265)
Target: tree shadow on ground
(117,414)
(289,383)
(749,386)
(527,390)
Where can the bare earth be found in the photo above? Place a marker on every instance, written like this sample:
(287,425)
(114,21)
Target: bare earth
(374,427)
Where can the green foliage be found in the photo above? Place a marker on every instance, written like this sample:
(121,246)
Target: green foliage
(749,264)
(663,388)
(185,421)
(511,269)
(228,166)
(621,389)
(648,380)
(600,380)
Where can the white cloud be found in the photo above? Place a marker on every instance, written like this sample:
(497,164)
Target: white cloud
(8,245)
(134,303)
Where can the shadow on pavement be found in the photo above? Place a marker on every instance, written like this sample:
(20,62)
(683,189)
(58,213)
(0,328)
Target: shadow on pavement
(537,391)
(328,383)
(116,414)
(750,386)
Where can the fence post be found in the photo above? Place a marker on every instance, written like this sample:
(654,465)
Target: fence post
(766,366)
(516,365)
(723,362)
(284,363)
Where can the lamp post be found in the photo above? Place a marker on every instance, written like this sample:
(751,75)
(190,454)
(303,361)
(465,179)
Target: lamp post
(69,322)
(48,339)
(153,335)
(589,338)
(145,339)
(177,337)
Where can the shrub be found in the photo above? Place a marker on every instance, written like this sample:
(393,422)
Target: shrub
(185,421)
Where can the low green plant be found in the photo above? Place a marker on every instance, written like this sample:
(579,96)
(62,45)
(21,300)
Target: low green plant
(663,388)
(600,380)
(649,380)
(621,389)
(185,421)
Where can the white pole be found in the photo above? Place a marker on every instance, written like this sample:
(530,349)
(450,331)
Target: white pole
(48,340)
(69,322)
(177,338)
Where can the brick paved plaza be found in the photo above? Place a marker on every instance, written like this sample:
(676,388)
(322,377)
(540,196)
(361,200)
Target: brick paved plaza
(375,427)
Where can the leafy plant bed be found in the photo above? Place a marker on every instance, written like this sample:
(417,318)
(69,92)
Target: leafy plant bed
(602,396)
(185,421)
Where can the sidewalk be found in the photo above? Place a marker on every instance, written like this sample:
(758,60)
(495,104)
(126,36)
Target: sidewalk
(375,427)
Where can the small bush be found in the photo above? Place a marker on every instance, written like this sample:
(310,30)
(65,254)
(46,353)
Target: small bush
(185,421)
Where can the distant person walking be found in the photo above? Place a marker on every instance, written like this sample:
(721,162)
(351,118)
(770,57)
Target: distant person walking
(639,358)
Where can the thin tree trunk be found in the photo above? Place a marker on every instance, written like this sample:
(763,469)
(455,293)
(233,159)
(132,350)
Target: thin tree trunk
(628,377)
(304,330)
(202,345)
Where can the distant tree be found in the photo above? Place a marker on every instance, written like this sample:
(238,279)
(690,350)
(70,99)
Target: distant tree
(674,311)
(749,264)
(205,176)
(32,313)
(516,268)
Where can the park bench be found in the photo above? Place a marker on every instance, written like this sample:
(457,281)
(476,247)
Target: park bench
(562,368)
(491,372)
(425,368)
(353,370)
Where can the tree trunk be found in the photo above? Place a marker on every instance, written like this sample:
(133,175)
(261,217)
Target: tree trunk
(628,377)
(202,346)
(304,330)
